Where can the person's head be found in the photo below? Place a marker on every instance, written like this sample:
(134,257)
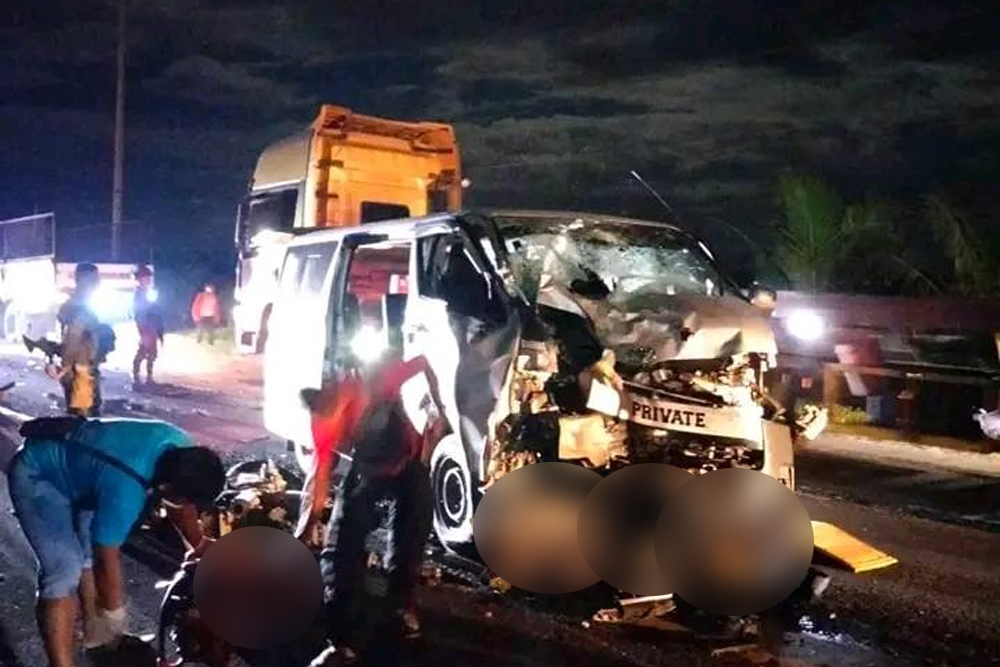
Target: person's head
(87,278)
(191,474)
(144,276)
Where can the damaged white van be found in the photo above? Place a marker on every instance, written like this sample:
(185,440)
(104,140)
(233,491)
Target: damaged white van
(555,336)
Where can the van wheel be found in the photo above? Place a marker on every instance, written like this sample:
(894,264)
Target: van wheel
(453,500)
(303,455)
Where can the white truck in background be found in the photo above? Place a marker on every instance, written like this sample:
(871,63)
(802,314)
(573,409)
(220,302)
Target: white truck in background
(35,280)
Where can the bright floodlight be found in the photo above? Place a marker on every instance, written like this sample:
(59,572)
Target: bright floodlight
(805,325)
(103,303)
(368,344)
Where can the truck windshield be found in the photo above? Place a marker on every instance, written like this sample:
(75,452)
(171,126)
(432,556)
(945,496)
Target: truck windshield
(602,258)
(269,211)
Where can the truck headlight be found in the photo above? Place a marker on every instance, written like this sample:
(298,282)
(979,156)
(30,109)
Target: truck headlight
(806,325)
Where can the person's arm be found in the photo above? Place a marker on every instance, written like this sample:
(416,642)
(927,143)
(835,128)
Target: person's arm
(333,414)
(108,577)
(435,388)
(434,430)
(188,522)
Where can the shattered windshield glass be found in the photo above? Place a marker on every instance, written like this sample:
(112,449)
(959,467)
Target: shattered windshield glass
(600,258)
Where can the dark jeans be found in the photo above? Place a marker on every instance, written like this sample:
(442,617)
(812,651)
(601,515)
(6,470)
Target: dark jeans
(343,561)
(206,329)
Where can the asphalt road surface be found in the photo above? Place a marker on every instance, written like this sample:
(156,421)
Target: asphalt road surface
(939,606)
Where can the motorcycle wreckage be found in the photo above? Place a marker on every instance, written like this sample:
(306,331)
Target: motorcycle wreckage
(259,493)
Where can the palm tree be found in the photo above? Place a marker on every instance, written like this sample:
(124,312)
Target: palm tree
(974,263)
(825,245)
(809,247)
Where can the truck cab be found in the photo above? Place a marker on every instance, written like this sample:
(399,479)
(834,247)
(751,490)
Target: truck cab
(345,170)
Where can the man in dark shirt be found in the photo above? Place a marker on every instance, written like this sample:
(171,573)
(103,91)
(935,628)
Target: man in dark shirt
(149,322)
(80,347)
(389,460)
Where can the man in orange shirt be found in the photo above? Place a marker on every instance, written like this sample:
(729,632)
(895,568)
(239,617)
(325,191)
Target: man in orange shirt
(206,312)
(389,459)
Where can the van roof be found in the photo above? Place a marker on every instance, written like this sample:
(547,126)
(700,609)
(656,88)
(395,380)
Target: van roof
(392,228)
(440,221)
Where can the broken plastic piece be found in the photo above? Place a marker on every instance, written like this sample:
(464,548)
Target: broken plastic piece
(590,438)
(848,550)
(604,398)
(812,422)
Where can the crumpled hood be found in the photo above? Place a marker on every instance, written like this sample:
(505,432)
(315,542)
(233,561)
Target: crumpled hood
(646,327)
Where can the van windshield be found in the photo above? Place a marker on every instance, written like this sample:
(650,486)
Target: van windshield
(600,258)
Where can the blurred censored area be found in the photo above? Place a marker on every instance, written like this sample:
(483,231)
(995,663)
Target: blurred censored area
(617,526)
(525,527)
(258,587)
(731,541)
(734,542)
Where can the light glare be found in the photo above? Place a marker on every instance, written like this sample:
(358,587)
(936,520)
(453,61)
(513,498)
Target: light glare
(805,325)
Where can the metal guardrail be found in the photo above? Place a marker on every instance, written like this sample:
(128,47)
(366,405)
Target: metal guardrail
(912,380)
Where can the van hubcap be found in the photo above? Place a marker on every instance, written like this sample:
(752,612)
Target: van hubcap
(453,493)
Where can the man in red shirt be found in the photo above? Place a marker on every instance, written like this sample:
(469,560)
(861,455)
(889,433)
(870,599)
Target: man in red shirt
(206,312)
(389,459)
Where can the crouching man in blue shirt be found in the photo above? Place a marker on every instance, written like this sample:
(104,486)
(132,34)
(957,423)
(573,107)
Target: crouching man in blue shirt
(78,486)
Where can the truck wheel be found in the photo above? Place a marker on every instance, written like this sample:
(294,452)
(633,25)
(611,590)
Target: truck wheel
(453,494)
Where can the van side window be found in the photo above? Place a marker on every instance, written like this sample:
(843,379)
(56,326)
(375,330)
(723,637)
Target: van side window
(305,269)
(447,272)
(373,302)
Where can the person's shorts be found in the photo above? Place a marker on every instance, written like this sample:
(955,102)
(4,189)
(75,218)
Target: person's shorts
(149,345)
(58,533)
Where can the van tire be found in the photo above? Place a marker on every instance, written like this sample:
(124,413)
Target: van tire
(451,482)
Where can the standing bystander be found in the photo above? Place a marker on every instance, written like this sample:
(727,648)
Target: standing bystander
(206,312)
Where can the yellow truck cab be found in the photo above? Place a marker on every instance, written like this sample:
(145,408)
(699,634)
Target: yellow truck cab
(346,169)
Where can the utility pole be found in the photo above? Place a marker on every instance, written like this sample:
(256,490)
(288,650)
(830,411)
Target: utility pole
(117,187)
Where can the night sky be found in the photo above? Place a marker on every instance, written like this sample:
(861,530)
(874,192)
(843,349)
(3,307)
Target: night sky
(554,101)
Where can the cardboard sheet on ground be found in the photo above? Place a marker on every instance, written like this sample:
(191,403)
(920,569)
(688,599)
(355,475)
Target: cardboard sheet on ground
(847,550)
